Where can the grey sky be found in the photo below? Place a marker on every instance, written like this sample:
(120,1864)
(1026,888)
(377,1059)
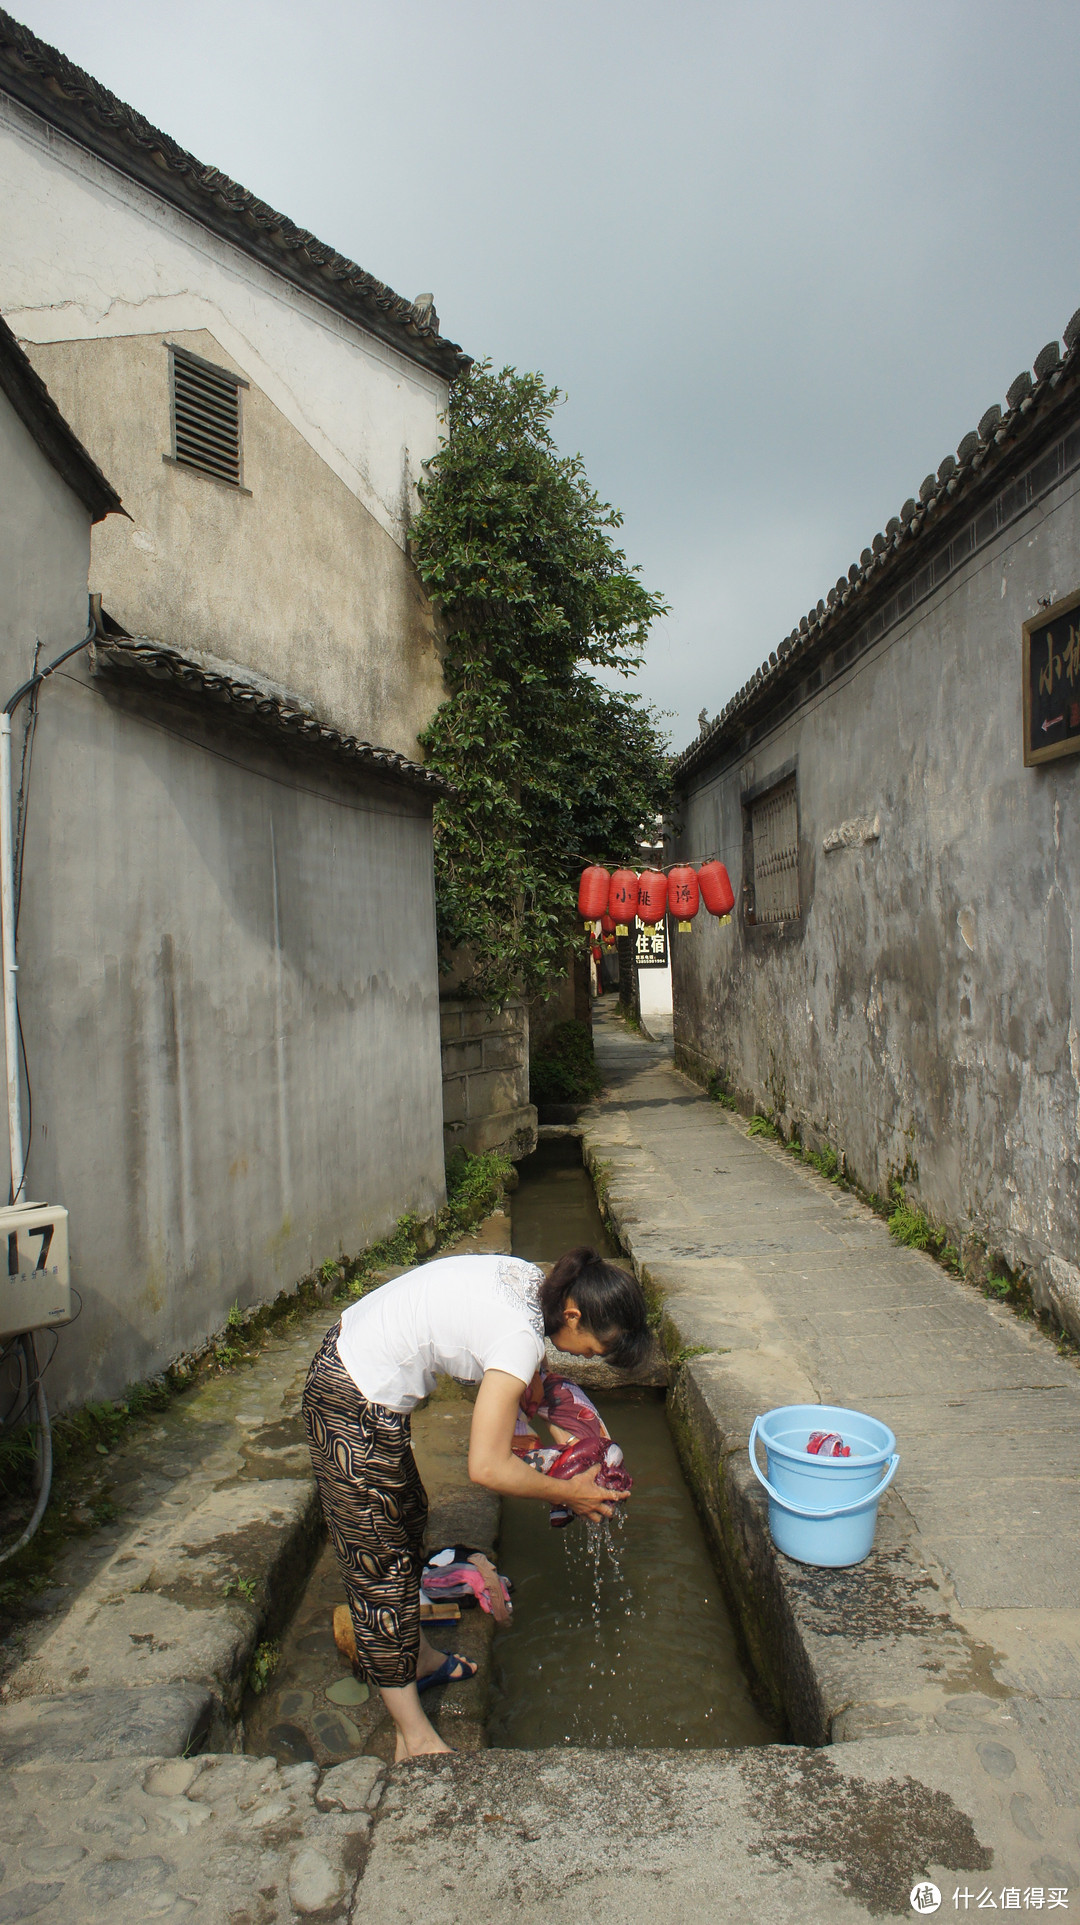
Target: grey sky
(780,256)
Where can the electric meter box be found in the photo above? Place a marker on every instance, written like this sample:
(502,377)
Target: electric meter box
(35,1279)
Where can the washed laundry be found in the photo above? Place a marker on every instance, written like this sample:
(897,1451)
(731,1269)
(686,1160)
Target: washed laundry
(462,1574)
(583,1440)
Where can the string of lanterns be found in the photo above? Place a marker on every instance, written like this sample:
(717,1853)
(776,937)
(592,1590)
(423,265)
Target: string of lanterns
(614,900)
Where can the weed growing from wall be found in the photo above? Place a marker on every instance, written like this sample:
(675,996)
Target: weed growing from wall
(718,1091)
(263,1665)
(912,1227)
(564,1070)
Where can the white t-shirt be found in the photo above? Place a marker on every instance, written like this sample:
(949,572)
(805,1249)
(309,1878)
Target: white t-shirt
(458,1316)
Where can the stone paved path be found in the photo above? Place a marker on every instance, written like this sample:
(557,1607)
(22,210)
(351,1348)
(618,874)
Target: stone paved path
(801,1294)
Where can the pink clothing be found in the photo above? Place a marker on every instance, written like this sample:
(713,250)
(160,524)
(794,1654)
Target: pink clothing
(566,1407)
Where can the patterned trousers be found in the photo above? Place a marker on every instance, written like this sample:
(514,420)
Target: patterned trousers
(375,1508)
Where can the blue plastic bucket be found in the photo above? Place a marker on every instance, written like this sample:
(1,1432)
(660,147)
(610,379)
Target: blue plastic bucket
(823,1510)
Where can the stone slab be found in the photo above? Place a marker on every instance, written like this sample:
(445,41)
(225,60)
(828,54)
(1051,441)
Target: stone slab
(168,1721)
(159,1612)
(773,1834)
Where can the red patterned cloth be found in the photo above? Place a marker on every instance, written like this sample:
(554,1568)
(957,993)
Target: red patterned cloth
(574,1417)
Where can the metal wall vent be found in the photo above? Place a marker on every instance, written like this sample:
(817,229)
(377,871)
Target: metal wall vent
(205,416)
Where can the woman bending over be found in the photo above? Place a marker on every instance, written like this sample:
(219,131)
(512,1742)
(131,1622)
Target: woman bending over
(480,1319)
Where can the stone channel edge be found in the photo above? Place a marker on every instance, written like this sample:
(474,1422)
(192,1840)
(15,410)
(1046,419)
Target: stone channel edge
(839,1655)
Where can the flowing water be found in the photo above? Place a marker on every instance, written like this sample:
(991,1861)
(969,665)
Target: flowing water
(621,1635)
(554,1207)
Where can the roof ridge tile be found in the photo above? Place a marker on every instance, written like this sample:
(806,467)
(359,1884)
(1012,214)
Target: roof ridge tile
(978,447)
(286,713)
(42,77)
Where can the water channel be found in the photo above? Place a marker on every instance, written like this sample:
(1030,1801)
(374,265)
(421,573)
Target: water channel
(620,1636)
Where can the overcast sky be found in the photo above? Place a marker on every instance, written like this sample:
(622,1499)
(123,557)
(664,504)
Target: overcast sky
(780,256)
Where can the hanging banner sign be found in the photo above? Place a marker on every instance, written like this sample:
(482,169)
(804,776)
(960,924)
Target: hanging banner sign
(1052,682)
(650,945)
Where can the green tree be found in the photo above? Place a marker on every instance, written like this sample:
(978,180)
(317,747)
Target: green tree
(551,768)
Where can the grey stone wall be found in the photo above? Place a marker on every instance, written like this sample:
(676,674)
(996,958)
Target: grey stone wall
(228,984)
(569,1000)
(923,1015)
(485,1069)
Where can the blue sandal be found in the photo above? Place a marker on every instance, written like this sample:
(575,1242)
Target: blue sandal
(445,1672)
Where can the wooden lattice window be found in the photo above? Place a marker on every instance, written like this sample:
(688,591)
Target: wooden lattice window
(205,416)
(774,833)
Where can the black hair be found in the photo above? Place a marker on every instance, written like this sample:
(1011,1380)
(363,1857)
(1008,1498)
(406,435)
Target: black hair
(611,1302)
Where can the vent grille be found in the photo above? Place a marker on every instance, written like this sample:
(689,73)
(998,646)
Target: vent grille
(774,826)
(206,417)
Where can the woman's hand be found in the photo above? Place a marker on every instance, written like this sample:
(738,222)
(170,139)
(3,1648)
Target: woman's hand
(493,1464)
(582,1495)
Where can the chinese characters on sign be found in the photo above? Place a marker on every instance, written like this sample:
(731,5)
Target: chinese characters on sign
(650,945)
(1052,682)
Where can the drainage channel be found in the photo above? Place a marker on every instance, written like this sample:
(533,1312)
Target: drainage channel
(621,1635)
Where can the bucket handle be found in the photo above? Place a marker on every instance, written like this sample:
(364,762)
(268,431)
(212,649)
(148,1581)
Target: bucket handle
(802,1510)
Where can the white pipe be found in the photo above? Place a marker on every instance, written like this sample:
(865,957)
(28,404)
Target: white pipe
(11,1001)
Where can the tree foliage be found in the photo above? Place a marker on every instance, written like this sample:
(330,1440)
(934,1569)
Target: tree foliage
(551,767)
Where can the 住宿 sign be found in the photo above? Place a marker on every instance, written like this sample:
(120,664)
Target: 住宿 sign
(650,945)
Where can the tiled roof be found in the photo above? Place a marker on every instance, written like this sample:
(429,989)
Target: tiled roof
(73,101)
(58,442)
(983,456)
(253,699)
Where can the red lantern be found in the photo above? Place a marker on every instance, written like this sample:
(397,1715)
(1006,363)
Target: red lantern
(623,899)
(652,896)
(682,888)
(716,891)
(593,893)
(607,927)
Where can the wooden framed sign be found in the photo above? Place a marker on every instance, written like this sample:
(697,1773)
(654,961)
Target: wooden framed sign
(1052,682)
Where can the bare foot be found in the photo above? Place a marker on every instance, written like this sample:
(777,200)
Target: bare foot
(428,1746)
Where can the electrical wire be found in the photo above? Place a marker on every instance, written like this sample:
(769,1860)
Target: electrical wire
(7,1355)
(23,798)
(9,1419)
(44,1448)
(29,1105)
(35,1371)
(31,687)
(42,675)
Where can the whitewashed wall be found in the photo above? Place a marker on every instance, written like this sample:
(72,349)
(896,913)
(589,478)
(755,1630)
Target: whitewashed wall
(86,254)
